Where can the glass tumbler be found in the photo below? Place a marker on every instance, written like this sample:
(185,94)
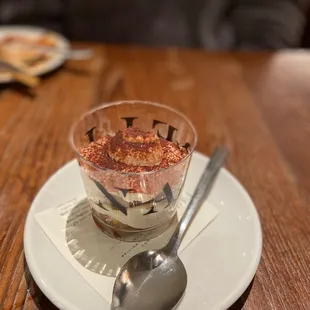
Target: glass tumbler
(133,206)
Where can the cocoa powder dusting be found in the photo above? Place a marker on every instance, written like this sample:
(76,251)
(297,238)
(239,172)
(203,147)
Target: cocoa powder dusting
(98,152)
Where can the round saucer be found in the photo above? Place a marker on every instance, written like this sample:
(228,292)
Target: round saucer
(220,262)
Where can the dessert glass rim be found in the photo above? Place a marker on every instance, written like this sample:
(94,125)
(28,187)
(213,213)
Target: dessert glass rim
(120,102)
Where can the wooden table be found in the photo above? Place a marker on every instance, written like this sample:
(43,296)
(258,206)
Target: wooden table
(257,104)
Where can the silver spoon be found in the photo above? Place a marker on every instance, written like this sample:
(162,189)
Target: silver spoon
(157,279)
(72,54)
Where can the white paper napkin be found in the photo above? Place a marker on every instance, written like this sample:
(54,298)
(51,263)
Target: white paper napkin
(98,257)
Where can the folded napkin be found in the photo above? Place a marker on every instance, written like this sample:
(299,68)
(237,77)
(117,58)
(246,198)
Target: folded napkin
(97,257)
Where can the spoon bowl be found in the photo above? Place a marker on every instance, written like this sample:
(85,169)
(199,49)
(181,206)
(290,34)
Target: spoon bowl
(165,273)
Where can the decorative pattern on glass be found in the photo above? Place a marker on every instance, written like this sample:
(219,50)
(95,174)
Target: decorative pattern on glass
(121,201)
(166,192)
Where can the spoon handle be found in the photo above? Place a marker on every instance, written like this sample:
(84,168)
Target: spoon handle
(200,195)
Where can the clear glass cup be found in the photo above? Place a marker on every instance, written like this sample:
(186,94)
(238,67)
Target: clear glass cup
(133,206)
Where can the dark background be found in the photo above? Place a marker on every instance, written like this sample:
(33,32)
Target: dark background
(126,21)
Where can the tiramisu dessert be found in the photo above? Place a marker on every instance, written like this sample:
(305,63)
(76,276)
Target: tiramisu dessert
(133,178)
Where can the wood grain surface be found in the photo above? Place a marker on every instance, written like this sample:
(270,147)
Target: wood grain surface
(257,104)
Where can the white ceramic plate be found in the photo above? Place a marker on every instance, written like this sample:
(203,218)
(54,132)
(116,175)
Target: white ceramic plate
(221,261)
(55,60)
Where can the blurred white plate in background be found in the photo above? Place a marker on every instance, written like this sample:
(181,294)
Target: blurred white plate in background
(54,59)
